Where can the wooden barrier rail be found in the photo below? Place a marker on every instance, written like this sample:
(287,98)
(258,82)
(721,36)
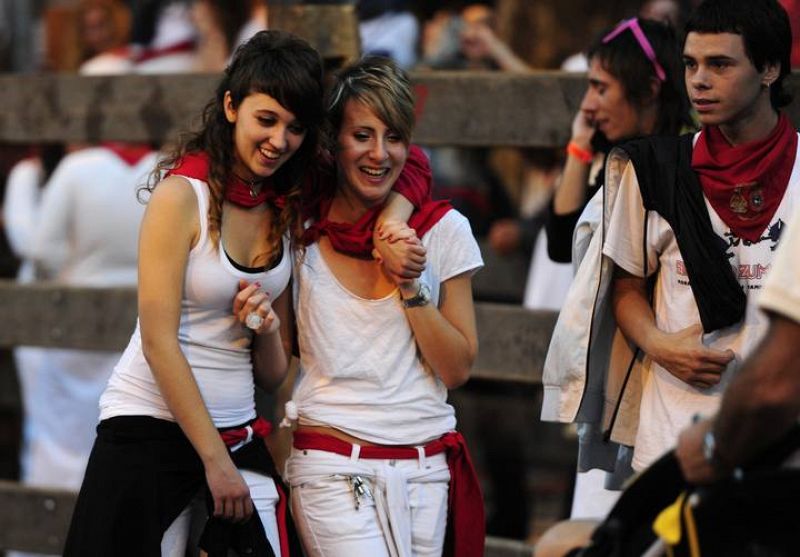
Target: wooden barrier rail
(512,340)
(40,520)
(456,108)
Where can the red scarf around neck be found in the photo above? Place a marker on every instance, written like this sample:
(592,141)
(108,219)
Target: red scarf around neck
(414,183)
(130,153)
(745,183)
(237,191)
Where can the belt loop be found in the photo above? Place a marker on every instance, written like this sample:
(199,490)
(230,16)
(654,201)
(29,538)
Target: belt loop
(355,451)
(421,456)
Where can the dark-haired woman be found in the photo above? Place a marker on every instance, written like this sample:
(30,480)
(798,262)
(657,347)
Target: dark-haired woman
(178,413)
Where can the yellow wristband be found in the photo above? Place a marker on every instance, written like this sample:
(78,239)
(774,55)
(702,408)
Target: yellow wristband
(580,153)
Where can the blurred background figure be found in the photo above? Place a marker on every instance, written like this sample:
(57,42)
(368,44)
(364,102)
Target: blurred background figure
(466,38)
(104,27)
(20,216)
(223,25)
(163,36)
(481,46)
(85,235)
(673,12)
(463,175)
(387,28)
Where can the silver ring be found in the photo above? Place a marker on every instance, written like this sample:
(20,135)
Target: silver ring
(253,320)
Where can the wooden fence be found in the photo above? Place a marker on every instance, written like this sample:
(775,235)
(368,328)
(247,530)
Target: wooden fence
(455,108)
(513,342)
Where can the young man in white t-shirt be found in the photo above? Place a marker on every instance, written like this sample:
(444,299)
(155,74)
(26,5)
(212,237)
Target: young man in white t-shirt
(692,235)
(672,292)
(763,402)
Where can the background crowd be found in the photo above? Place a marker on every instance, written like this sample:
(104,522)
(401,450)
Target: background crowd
(505,193)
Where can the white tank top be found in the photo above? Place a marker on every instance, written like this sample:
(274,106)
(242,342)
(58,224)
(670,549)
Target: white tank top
(214,343)
(360,369)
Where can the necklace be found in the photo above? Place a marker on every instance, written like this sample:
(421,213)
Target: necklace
(253,185)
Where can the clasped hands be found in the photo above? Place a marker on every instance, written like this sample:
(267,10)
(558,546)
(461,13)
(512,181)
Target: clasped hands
(400,251)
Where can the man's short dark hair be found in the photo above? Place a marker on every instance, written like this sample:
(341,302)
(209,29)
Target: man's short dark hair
(765,31)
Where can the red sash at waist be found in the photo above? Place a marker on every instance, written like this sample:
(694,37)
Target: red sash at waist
(466,523)
(257,428)
(262,428)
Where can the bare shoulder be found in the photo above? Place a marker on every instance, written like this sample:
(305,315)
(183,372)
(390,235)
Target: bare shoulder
(173,205)
(175,191)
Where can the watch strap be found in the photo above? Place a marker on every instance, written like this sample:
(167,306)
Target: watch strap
(421,298)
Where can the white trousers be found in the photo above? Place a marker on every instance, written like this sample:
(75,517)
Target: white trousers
(401,510)
(264,494)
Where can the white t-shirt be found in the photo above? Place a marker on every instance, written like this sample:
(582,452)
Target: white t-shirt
(668,404)
(392,34)
(89,218)
(781,292)
(20,211)
(213,341)
(360,369)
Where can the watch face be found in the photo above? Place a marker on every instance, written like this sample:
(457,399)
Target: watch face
(424,292)
(422,298)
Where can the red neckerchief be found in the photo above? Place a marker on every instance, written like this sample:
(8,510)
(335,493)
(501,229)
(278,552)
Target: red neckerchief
(130,153)
(197,164)
(745,183)
(414,183)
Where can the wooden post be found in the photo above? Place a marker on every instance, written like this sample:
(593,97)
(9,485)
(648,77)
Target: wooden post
(331,29)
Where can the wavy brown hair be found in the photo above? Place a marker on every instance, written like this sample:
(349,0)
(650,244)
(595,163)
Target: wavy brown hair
(287,69)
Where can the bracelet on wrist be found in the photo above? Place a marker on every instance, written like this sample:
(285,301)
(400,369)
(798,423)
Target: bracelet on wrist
(583,155)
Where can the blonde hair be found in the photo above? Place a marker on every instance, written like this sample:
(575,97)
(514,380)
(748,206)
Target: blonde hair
(379,84)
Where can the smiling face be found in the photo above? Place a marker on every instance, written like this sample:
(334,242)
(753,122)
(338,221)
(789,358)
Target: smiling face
(724,86)
(265,135)
(369,155)
(606,106)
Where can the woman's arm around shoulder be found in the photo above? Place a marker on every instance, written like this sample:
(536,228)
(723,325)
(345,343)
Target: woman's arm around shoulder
(410,192)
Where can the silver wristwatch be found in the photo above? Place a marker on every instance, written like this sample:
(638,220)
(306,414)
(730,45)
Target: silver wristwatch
(422,297)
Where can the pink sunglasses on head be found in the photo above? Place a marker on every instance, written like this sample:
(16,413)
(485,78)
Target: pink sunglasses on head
(641,38)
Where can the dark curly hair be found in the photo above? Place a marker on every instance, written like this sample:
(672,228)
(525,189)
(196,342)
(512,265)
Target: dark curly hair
(287,69)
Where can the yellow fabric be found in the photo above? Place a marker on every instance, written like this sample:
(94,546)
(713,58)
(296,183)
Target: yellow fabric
(691,530)
(667,524)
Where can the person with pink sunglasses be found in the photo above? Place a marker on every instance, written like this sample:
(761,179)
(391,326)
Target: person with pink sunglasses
(634,90)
